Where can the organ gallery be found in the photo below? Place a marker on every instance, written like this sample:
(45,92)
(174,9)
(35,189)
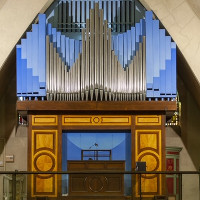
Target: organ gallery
(96,90)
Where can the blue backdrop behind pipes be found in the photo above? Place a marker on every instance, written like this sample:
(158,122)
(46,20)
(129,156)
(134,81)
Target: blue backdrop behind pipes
(119,142)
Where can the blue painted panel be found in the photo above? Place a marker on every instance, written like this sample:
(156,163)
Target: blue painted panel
(29,49)
(156,86)
(35,42)
(156,48)
(167,47)
(29,81)
(149,49)
(35,85)
(24,76)
(19,69)
(58,35)
(173,68)
(80,46)
(54,37)
(49,29)
(125,50)
(149,93)
(42,91)
(71,43)
(162,50)
(129,46)
(67,51)
(156,83)
(168,77)
(76,49)
(133,41)
(143,27)
(115,44)
(63,43)
(162,82)
(42,50)
(121,50)
(24,48)
(149,85)
(137,38)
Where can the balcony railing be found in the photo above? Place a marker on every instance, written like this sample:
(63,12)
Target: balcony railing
(13,184)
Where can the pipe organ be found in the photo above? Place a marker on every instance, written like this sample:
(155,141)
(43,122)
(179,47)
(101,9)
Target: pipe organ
(139,64)
(114,58)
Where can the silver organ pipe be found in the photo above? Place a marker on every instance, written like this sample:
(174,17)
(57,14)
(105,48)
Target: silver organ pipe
(101,66)
(97,72)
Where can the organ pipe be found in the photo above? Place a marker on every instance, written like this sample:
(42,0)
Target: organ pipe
(101,66)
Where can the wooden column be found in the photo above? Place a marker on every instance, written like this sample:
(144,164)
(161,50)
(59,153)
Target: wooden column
(148,144)
(44,154)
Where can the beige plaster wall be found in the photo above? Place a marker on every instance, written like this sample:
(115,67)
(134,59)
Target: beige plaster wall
(190,183)
(15,17)
(15,137)
(181,19)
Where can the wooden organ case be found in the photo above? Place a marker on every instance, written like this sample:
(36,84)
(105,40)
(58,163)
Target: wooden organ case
(125,81)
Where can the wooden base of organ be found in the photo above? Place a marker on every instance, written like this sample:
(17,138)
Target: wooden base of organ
(147,129)
(96,186)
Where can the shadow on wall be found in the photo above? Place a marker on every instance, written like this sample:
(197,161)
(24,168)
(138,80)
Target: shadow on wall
(189,94)
(8,116)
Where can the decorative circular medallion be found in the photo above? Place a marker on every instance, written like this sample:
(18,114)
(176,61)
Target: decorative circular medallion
(152,162)
(96,120)
(96,184)
(44,162)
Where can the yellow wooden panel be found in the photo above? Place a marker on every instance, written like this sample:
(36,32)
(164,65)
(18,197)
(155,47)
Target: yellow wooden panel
(45,163)
(44,159)
(44,120)
(148,120)
(152,162)
(148,148)
(148,140)
(150,185)
(44,140)
(71,120)
(93,120)
(44,185)
(116,120)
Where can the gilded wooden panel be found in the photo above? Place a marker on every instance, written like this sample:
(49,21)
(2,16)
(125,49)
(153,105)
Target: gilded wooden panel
(149,185)
(44,141)
(44,185)
(148,149)
(44,158)
(148,120)
(93,120)
(44,120)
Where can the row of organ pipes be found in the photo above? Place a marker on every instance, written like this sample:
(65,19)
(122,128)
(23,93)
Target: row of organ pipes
(97,73)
